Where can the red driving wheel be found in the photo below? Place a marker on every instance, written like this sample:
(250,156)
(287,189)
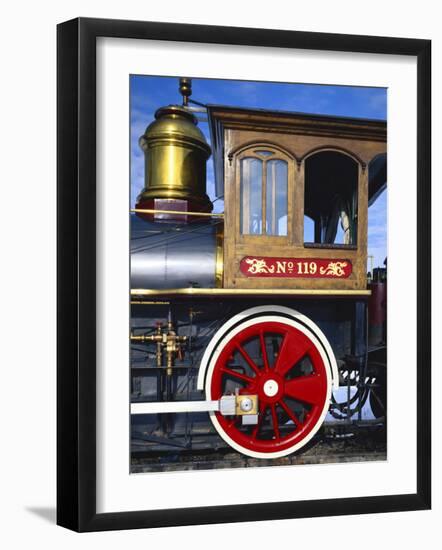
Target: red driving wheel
(283,364)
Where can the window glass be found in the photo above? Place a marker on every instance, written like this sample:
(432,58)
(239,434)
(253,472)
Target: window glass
(264,153)
(276,197)
(251,196)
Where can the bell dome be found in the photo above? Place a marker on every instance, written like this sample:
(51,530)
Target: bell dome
(176,153)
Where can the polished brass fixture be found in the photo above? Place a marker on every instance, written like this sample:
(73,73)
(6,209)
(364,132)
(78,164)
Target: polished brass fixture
(219,261)
(167,340)
(176,153)
(185,89)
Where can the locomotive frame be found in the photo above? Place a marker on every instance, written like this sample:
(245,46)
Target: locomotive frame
(77,470)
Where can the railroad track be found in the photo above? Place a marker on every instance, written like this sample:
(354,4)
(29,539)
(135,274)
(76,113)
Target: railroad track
(327,451)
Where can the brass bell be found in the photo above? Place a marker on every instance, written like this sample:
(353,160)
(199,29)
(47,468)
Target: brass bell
(176,153)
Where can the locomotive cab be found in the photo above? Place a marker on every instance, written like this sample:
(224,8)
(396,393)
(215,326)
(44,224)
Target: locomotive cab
(296,191)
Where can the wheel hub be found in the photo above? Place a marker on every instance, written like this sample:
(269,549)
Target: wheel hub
(271,388)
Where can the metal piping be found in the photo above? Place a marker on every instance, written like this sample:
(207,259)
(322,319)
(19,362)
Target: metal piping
(180,212)
(197,291)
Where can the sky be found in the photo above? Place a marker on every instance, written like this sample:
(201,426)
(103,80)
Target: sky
(148,93)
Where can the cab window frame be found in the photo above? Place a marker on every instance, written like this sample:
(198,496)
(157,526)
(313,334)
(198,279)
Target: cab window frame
(258,151)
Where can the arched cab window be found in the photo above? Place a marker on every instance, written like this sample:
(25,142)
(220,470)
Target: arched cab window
(264,191)
(331,200)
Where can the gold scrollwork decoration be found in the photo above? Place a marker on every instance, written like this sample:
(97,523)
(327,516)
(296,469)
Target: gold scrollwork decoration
(334,269)
(259,266)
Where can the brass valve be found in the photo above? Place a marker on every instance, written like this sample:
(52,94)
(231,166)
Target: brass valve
(167,340)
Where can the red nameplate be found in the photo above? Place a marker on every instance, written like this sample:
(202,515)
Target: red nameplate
(252,266)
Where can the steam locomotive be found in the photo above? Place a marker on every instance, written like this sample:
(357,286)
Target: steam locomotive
(254,328)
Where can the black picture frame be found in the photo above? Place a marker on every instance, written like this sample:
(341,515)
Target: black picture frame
(76,272)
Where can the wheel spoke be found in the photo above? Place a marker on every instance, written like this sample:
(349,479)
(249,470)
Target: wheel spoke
(232,422)
(289,413)
(275,421)
(264,350)
(238,375)
(261,416)
(248,359)
(307,389)
(290,353)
